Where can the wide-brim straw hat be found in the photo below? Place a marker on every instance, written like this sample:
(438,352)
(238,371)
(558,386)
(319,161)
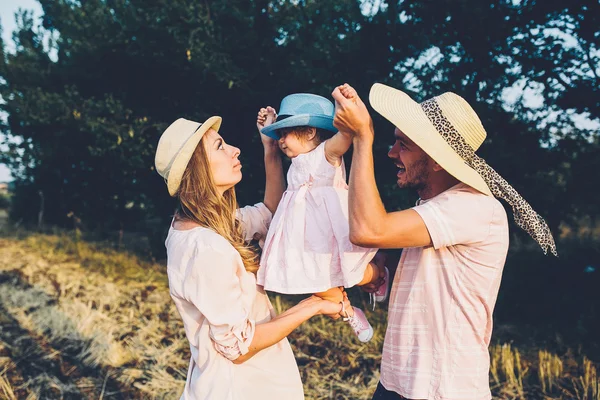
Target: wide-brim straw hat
(410,117)
(176,146)
(302,109)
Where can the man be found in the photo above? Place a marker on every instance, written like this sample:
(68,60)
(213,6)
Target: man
(456,240)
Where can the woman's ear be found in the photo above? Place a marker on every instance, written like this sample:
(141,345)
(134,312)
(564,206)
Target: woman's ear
(313,133)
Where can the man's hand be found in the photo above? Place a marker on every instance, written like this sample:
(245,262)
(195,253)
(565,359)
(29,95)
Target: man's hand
(351,114)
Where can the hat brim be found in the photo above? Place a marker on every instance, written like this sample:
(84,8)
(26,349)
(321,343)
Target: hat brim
(316,121)
(408,116)
(185,154)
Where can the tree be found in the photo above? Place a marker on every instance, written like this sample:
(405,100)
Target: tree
(87,121)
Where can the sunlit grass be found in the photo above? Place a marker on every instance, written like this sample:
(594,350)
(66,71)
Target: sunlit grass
(6,389)
(550,370)
(111,312)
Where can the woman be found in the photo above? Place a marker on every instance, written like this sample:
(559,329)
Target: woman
(239,347)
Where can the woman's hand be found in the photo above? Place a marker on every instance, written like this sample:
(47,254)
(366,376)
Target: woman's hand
(326,307)
(266,116)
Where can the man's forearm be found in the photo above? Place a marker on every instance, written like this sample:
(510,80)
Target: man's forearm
(366,211)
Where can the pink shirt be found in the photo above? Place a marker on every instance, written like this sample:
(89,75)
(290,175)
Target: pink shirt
(442,299)
(220,305)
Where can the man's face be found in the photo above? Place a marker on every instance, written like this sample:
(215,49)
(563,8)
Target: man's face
(414,165)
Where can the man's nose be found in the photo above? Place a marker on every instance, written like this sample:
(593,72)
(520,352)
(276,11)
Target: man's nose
(393,152)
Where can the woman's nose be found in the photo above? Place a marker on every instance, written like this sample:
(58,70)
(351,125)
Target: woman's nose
(235,151)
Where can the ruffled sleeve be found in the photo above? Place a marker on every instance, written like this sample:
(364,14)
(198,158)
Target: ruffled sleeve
(213,285)
(255,221)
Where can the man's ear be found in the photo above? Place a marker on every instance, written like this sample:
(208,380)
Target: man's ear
(437,167)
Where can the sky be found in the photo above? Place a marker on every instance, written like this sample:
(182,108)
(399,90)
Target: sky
(7,15)
(7,19)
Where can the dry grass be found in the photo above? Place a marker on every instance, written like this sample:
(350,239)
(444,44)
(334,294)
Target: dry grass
(587,386)
(110,308)
(507,370)
(550,370)
(106,318)
(6,390)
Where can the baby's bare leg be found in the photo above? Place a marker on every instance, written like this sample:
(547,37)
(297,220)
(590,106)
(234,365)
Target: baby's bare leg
(334,294)
(337,296)
(371,275)
(374,273)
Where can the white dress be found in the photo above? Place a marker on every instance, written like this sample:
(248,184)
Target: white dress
(308,249)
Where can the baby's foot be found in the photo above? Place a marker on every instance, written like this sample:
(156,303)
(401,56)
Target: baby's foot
(266,116)
(381,294)
(361,326)
(359,323)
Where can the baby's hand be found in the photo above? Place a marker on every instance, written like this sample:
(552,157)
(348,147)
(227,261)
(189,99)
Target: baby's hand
(266,116)
(348,92)
(351,114)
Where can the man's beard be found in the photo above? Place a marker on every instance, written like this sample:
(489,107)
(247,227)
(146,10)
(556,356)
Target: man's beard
(417,175)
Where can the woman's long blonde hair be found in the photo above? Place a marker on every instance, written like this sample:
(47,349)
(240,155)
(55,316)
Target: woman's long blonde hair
(199,201)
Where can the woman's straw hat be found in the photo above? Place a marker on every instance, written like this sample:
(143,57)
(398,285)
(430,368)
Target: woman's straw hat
(176,146)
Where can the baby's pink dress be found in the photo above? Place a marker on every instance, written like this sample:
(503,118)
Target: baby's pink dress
(307,249)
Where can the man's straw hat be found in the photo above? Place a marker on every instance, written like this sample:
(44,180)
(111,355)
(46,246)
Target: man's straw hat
(411,118)
(176,146)
(449,131)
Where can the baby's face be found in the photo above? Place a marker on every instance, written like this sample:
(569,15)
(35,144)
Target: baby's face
(292,145)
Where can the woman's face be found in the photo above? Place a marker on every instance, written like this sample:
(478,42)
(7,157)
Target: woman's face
(223,160)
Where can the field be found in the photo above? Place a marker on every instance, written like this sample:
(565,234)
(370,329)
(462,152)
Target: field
(82,320)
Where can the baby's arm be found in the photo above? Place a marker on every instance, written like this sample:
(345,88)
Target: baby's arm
(339,144)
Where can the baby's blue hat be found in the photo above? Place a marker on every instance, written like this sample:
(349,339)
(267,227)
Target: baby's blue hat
(302,109)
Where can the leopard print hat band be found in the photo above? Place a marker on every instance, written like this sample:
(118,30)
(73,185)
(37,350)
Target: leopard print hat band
(525,217)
